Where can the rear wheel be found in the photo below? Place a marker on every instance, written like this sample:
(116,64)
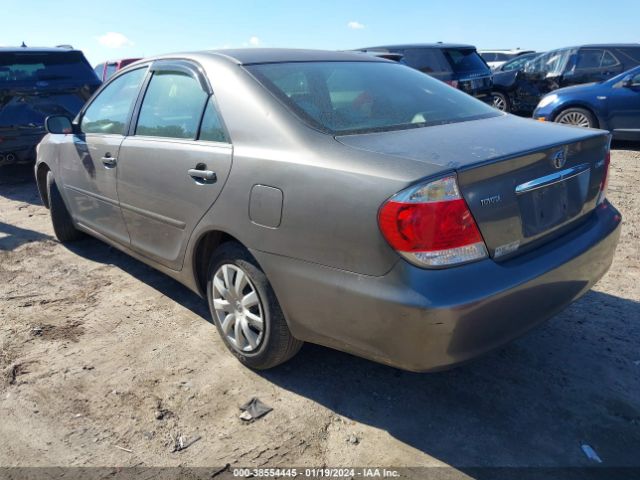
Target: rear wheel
(501,102)
(60,218)
(578,117)
(246,311)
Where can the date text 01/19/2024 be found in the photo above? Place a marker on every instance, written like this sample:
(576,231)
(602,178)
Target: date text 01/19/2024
(315,473)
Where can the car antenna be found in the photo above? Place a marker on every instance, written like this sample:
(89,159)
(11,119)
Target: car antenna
(23,45)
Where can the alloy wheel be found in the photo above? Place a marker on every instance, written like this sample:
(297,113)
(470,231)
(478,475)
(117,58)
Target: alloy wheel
(238,308)
(575,118)
(500,103)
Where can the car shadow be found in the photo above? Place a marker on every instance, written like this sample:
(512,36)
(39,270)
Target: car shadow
(13,180)
(97,251)
(12,237)
(625,145)
(531,403)
(18,173)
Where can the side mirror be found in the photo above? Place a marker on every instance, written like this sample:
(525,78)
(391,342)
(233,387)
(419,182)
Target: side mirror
(58,124)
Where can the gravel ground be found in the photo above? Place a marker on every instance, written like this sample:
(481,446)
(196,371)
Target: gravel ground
(106,362)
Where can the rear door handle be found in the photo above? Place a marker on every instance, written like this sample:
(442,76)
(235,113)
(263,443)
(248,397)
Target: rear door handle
(207,175)
(109,161)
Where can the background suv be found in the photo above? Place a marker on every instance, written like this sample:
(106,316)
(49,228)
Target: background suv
(35,83)
(458,65)
(562,68)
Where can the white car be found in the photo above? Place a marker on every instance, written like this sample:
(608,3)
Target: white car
(496,58)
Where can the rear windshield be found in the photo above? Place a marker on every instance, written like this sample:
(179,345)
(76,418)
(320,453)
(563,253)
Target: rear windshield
(360,97)
(465,60)
(427,60)
(27,67)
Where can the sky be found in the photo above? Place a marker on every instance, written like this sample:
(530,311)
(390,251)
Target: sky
(112,29)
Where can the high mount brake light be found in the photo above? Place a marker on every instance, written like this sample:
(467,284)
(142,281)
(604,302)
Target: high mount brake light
(431,226)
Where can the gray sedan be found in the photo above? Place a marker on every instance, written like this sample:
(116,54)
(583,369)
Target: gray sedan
(335,198)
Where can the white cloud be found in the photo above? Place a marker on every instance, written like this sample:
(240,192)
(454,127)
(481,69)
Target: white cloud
(355,25)
(114,40)
(254,41)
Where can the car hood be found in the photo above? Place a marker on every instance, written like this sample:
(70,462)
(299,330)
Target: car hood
(458,145)
(582,88)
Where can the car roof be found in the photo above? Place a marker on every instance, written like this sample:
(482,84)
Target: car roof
(506,50)
(36,49)
(422,45)
(600,45)
(609,45)
(248,56)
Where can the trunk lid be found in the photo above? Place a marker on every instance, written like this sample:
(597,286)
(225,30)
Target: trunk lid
(525,182)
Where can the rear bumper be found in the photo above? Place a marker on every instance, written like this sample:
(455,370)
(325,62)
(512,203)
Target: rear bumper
(424,320)
(19,149)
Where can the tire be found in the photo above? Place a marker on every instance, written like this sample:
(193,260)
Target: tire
(235,313)
(578,117)
(501,102)
(63,226)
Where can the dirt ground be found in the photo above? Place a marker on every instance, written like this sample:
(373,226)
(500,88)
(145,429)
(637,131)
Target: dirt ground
(106,362)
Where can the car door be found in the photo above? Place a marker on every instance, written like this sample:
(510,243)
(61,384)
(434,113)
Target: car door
(624,107)
(593,65)
(174,163)
(89,158)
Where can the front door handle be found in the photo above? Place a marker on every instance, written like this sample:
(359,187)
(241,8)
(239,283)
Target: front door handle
(109,161)
(207,175)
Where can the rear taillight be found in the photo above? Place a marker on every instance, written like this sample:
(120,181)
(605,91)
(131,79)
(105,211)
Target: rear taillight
(453,83)
(604,183)
(431,225)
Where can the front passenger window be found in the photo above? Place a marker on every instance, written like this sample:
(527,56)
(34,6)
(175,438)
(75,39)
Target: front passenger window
(172,106)
(109,112)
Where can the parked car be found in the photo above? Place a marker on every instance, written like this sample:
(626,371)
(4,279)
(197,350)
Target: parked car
(562,68)
(613,105)
(35,83)
(105,70)
(503,78)
(370,208)
(497,58)
(457,65)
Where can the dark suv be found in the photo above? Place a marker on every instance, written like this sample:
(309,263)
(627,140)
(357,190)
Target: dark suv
(562,68)
(36,83)
(458,65)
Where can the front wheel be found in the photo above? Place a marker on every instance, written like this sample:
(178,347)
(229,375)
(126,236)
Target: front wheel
(501,102)
(245,310)
(576,116)
(60,218)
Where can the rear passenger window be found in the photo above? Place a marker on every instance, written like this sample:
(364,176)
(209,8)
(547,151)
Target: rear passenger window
(172,106)
(589,59)
(212,129)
